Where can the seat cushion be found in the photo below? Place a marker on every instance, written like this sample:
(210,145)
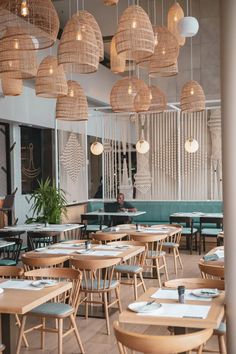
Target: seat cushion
(7,262)
(126,268)
(187,231)
(88,285)
(53,309)
(210,232)
(154,254)
(170,244)
(221,330)
(95,227)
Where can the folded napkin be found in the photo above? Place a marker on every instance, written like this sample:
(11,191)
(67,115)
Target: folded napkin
(214,256)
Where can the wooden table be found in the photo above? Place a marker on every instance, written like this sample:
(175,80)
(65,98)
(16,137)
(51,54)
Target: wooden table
(41,228)
(219,262)
(213,319)
(110,214)
(198,214)
(16,301)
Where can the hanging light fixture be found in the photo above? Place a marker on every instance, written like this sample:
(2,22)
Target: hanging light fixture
(96,148)
(78,50)
(39,19)
(158,99)
(167,71)
(11,87)
(142,145)
(51,79)
(188,26)
(192,97)
(117,60)
(175,14)
(110,2)
(135,35)
(191,145)
(74,106)
(130,95)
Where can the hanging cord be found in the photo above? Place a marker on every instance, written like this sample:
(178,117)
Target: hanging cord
(83,5)
(77,5)
(155,12)
(191,57)
(187,6)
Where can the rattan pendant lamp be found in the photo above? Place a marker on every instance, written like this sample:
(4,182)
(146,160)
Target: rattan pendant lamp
(74,106)
(15,62)
(37,18)
(134,35)
(168,70)
(130,95)
(51,79)
(175,14)
(78,51)
(158,99)
(110,2)
(118,61)
(11,87)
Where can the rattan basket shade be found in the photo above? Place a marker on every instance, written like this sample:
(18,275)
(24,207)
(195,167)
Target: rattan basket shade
(117,60)
(135,35)
(175,14)
(166,71)
(15,62)
(137,100)
(166,51)
(42,23)
(74,106)
(192,97)
(90,20)
(110,2)
(158,99)
(51,79)
(12,87)
(78,56)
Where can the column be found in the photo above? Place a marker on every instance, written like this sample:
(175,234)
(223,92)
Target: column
(228,79)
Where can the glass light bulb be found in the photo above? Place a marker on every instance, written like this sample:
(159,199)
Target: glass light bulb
(71,93)
(164,51)
(175,18)
(192,91)
(134,24)
(130,91)
(150,94)
(10,63)
(51,70)
(79,36)
(191,145)
(24,11)
(16,45)
(156,39)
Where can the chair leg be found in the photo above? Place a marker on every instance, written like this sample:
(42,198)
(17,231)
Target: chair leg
(24,336)
(142,281)
(204,243)
(135,287)
(165,268)
(60,335)
(73,322)
(222,346)
(175,261)
(158,272)
(20,337)
(191,244)
(106,313)
(117,291)
(179,258)
(43,321)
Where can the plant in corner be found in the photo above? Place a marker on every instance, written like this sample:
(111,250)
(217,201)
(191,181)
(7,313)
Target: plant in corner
(49,203)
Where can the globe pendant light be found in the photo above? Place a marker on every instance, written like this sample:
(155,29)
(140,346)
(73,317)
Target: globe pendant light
(191,145)
(96,148)
(175,14)
(188,26)
(142,146)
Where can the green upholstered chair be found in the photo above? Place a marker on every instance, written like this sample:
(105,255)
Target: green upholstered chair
(209,227)
(10,254)
(188,231)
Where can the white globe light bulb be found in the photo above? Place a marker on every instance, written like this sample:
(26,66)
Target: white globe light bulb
(142,146)
(96,148)
(188,26)
(191,145)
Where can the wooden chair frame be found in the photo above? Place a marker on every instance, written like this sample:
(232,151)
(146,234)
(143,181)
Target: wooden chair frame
(218,221)
(32,262)
(186,221)
(104,237)
(209,271)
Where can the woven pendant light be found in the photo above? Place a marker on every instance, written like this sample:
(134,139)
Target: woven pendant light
(166,71)
(78,50)
(51,79)
(166,51)
(130,95)
(134,35)
(175,14)
(89,19)
(192,97)
(15,62)
(158,99)
(41,22)
(74,106)
(12,87)
(117,60)
(110,2)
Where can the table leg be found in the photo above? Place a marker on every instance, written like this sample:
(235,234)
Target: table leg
(9,332)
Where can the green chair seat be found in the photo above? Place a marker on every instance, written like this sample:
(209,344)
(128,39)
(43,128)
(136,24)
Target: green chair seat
(89,285)
(7,262)
(95,227)
(52,309)
(126,268)
(153,254)
(187,231)
(210,231)
(170,244)
(221,330)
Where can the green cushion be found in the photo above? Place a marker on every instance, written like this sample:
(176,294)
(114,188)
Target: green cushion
(93,227)
(187,231)
(155,254)
(126,268)
(170,244)
(88,285)
(210,232)
(52,309)
(7,262)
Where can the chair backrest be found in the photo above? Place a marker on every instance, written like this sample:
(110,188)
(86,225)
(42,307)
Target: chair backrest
(71,296)
(150,344)
(195,283)
(71,234)
(11,272)
(138,259)
(33,262)
(8,202)
(175,237)
(153,243)
(217,221)
(13,251)
(38,240)
(104,237)
(209,271)
(98,272)
(126,226)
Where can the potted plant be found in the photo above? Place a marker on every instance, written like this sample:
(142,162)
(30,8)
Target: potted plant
(49,203)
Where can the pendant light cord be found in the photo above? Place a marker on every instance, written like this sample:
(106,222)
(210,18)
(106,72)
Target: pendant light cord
(187,6)
(155,13)
(191,57)
(162,13)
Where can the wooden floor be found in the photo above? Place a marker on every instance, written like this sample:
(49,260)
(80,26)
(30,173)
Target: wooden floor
(93,331)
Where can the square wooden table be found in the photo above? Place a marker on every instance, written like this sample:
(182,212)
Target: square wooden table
(17,301)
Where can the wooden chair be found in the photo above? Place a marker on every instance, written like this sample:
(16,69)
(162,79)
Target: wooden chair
(149,344)
(98,279)
(10,254)
(195,283)
(74,234)
(92,223)
(39,239)
(59,311)
(33,262)
(104,237)
(13,272)
(211,272)
(133,268)
(209,227)
(155,256)
(172,243)
(188,231)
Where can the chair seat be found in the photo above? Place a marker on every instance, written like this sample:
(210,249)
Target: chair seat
(154,254)
(170,244)
(90,286)
(187,231)
(126,268)
(7,262)
(210,232)
(221,330)
(94,227)
(52,309)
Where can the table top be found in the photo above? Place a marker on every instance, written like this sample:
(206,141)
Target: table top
(69,249)
(42,228)
(157,230)
(117,213)
(198,214)
(219,262)
(212,320)
(21,301)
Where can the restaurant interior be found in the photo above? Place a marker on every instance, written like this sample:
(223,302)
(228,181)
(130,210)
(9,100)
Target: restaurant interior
(117,176)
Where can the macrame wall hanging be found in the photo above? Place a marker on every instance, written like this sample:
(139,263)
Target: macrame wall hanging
(126,185)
